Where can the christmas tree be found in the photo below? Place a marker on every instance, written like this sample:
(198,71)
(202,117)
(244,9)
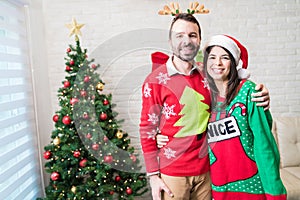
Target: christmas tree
(89,156)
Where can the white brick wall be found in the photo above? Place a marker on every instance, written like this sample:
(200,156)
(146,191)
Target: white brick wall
(270,29)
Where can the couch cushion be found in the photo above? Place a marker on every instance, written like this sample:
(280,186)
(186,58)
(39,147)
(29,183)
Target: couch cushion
(291,183)
(287,133)
(294,171)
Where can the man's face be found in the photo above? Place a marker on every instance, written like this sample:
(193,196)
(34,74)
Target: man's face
(185,40)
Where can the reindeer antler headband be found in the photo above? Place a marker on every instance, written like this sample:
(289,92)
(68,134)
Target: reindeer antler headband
(173,9)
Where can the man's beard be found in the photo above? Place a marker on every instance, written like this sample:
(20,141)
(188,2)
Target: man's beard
(190,57)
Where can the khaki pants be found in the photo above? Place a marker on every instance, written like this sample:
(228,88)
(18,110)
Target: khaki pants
(188,187)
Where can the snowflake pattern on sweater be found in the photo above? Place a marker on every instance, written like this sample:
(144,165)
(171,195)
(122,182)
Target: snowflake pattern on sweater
(147,91)
(168,110)
(162,78)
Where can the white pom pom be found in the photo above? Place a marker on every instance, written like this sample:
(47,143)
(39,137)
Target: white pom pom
(243,73)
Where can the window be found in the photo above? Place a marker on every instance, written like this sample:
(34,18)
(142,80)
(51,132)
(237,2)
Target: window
(19,175)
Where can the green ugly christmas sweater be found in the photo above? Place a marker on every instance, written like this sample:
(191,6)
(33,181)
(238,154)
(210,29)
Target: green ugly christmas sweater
(243,154)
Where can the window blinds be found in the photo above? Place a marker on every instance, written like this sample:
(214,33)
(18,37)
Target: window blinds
(19,177)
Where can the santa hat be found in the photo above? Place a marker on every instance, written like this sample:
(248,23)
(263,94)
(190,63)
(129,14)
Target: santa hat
(238,51)
(158,58)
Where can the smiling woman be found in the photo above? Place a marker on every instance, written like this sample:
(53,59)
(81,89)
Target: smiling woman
(242,150)
(18,168)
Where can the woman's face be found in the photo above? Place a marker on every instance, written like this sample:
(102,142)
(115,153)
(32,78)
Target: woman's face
(218,64)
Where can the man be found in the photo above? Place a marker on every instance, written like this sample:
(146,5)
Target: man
(176,101)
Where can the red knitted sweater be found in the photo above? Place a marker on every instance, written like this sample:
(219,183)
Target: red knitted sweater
(177,105)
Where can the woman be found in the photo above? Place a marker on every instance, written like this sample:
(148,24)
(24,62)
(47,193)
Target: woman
(244,158)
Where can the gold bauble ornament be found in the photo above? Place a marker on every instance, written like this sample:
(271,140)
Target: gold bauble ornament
(73,189)
(119,134)
(100,86)
(56,141)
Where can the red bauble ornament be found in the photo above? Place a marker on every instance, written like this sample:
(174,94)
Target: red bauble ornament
(88,136)
(86,79)
(105,102)
(128,191)
(103,116)
(133,157)
(95,147)
(83,162)
(108,158)
(76,154)
(55,118)
(47,154)
(73,101)
(68,68)
(66,120)
(83,93)
(55,176)
(105,138)
(67,84)
(94,66)
(72,62)
(118,178)
(85,116)
(111,192)
(69,50)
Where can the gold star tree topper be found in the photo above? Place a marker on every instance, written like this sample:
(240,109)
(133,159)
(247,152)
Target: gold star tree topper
(74,28)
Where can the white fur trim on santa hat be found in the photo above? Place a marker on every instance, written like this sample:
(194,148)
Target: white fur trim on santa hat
(227,43)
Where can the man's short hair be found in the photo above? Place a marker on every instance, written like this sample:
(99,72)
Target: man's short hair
(186,17)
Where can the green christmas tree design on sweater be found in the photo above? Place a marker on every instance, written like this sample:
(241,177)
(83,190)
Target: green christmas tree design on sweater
(189,98)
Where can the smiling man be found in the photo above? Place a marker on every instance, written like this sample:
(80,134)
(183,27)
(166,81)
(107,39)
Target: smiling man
(176,101)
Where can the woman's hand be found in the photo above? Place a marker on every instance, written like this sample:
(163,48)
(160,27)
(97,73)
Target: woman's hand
(161,140)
